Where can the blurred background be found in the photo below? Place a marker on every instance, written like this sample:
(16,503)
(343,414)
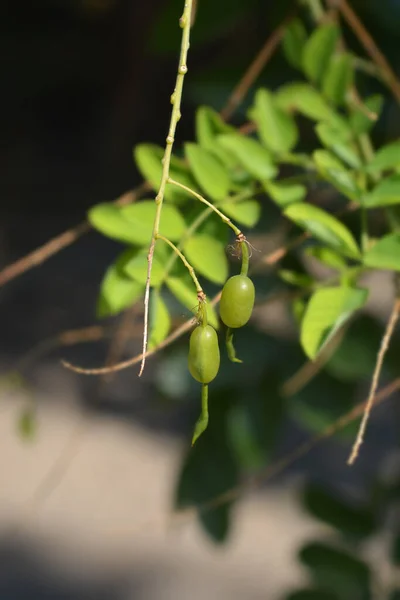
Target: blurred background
(86,504)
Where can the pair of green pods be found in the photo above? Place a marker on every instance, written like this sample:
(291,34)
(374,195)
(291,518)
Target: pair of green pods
(236,306)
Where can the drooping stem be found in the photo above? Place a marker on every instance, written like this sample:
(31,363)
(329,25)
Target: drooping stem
(185,23)
(189,267)
(202,421)
(223,217)
(230,348)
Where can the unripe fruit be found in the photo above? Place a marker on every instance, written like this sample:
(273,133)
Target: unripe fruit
(204,354)
(237,301)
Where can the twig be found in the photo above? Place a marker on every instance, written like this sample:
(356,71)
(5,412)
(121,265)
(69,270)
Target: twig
(185,23)
(370,47)
(255,68)
(394,316)
(41,254)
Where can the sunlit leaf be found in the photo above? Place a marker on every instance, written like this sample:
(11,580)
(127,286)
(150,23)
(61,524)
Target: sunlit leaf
(324,227)
(305,99)
(385,253)
(385,193)
(160,320)
(285,193)
(247,212)
(327,310)
(209,172)
(293,42)
(136,267)
(318,51)
(209,125)
(338,78)
(387,157)
(185,292)
(360,121)
(277,129)
(339,144)
(333,170)
(148,159)
(118,291)
(254,157)
(207,256)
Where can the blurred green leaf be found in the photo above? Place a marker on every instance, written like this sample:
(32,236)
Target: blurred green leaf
(385,253)
(247,212)
(247,451)
(294,278)
(209,126)
(334,140)
(285,193)
(324,227)
(209,172)
(27,424)
(305,99)
(160,320)
(385,193)
(333,170)
(148,159)
(335,569)
(293,42)
(327,310)
(360,122)
(338,78)
(327,257)
(136,267)
(207,255)
(387,157)
(318,51)
(210,470)
(256,159)
(185,292)
(118,291)
(277,130)
(353,521)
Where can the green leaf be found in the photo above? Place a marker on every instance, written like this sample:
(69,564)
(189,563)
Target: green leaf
(324,227)
(335,172)
(333,568)
(185,292)
(385,253)
(285,193)
(118,291)
(326,256)
(160,320)
(209,470)
(209,172)
(277,130)
(311,594)
(387,157)
(148,159)
(353,521)
(386,193)
(361,122)
(256,159)
(136,267)
(318,51)
(27,424)
(207,256)
(295,278)
(327,310)
(338,78)
(133,224)
(339,144)
(294,39)
(247,212)
(305,99)
(209,125)
(245,447)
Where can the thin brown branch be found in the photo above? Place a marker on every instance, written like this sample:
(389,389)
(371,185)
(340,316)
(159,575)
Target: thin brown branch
(41,254)
(370,47)
(394,317)
(255,68)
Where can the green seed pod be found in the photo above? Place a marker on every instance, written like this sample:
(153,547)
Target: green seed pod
(204,354)
(237,301)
